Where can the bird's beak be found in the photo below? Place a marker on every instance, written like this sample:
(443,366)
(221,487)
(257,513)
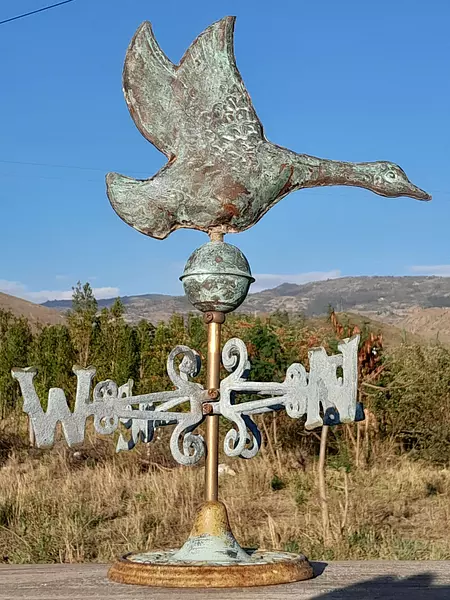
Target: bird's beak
(417,193)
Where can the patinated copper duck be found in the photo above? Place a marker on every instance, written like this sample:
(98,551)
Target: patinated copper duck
(222,175)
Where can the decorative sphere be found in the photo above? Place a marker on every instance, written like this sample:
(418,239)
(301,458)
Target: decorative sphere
(217,277)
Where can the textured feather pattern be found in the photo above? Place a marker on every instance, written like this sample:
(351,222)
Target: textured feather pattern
(203,99)
(222,174)
(148,78)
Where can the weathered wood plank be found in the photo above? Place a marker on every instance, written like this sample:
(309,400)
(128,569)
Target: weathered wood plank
(364,580)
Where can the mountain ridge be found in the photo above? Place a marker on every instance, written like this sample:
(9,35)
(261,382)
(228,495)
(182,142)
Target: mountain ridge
(35,313)
(419,305)
(387,298)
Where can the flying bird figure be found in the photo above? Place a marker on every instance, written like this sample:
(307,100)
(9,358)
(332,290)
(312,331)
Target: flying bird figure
(222,174)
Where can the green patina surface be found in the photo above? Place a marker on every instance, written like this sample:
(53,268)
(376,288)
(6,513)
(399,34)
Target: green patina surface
(217,277)
(253,558)
(222,173)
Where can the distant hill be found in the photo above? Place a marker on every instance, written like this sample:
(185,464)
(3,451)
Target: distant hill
(387,299)
(35,313)
(393,335)
(138,307)
(152,307)
(428,322)
(418,305)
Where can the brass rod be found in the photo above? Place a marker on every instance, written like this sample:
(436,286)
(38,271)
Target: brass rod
(212,421)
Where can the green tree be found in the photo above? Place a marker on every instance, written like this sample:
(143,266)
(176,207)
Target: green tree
(52,352)
(412,400)
(197,333)
(81,320)
(265,352)
(166,337)
(115,347)
(280,318)
(145,336)
(15,340)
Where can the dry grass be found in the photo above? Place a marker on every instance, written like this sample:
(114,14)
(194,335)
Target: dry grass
(55,509)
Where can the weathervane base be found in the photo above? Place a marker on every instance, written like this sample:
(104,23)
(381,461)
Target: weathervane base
(211,558)
(161,570)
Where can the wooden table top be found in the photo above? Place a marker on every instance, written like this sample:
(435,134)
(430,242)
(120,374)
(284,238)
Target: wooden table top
(334,581)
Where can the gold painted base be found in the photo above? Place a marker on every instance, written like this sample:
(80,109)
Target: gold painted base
(271,568)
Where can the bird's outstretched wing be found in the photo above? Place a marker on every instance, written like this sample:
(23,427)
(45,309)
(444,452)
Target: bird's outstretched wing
(200,104)
(148,78)
(200,116)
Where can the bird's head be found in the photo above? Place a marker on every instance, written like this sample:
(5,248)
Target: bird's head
(390,180)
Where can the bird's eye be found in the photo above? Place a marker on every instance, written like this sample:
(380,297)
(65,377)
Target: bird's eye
(391,175)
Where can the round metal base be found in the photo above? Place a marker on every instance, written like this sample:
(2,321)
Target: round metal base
(162,569)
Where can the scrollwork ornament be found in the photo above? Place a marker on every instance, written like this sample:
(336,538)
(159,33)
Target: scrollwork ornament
(296,381)
(189,367)
(235,358)
(193,445)
(319,392)
(106,392)
(244,442)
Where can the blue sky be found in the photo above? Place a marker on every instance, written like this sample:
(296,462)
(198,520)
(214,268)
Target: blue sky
(345,80)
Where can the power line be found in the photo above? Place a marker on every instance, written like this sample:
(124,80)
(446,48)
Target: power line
(33,12)
(78,168)
(39,164)
(104,171)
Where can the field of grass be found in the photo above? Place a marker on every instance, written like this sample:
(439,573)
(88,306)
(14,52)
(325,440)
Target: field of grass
(91,505)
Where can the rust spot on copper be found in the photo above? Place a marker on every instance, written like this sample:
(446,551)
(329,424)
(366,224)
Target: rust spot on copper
(223,34)
(230,189)
(287,186)
(231,210)
(214,317)
(208,317)
(213,394)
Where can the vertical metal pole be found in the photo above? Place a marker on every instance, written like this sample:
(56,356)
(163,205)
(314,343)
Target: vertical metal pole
(214,321)
(31,436)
